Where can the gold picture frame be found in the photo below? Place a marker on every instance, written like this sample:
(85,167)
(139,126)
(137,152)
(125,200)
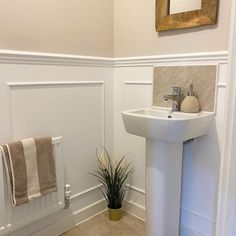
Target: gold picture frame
(207,15)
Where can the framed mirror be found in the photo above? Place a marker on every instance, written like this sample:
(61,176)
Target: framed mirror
(179,14)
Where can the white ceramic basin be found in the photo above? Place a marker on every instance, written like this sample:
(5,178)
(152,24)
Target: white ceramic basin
(164,133)
(155,124)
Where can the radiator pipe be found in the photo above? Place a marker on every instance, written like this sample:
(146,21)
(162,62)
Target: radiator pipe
(67,196)
(189,141)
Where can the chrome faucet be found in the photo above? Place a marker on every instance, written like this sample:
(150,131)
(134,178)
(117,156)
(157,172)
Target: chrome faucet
(176,98)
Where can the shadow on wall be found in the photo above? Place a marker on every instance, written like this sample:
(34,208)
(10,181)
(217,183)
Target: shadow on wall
(201,164)
(186,31)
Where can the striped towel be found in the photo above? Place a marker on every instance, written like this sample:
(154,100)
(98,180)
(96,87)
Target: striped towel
(30,169)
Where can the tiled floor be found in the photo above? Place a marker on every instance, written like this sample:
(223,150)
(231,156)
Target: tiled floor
(100,225)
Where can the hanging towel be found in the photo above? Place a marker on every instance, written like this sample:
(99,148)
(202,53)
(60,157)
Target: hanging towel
(30,169)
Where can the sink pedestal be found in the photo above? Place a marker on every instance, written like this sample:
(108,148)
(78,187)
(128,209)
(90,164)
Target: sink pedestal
(164,145)
(163,187)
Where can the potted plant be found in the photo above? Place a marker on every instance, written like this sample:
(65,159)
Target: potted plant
(113,176)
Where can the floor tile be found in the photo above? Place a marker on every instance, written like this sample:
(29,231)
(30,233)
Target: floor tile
(100,225)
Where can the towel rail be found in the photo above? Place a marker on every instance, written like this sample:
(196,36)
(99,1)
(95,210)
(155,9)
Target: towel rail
(14,218)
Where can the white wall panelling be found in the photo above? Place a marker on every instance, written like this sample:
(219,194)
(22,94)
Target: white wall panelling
(71,101)
(187,58)
(40,83)
(86,191)
(59,106)
(81,99)
(138,82)
(37,58)
(226,220)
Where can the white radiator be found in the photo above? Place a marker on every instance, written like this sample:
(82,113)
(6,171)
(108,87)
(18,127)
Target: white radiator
(12,218)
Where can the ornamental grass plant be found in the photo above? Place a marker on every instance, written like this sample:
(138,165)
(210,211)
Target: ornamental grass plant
(113,175)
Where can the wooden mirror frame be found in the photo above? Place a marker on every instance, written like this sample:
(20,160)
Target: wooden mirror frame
(207,15)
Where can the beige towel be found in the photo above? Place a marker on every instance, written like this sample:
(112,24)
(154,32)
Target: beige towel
(30,169)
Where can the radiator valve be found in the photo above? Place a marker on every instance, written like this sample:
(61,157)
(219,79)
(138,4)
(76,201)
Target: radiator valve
(67,196)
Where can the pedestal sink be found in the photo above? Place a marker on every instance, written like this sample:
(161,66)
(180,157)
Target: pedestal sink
(165,133)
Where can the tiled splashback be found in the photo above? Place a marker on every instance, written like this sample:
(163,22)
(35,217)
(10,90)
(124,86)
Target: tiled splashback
(202,77)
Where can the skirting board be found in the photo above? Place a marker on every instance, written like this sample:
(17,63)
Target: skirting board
(139,212)
(134,209)
(73,219)
(186,231)
(85,214)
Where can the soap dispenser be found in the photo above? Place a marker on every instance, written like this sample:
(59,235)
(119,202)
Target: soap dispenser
(190,103)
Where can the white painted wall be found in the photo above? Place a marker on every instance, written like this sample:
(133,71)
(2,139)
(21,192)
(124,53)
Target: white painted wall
(226,220)
(81,99)
(133,89)
(75,102)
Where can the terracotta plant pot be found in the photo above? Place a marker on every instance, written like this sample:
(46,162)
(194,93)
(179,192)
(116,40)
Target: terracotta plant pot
(114,214)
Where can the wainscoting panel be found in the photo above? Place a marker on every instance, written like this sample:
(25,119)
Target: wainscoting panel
(68,100)
(135,145)
(81,99)
(72,110)
(134,90)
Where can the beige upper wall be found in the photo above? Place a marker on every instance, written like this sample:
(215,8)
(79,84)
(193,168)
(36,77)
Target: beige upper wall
(82,27)
(135,33)
(102,28)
